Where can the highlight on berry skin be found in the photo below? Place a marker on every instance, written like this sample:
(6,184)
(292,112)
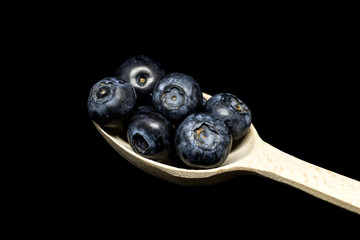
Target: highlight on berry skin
(142,72)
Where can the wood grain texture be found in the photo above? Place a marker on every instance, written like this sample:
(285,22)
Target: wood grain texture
(270,162)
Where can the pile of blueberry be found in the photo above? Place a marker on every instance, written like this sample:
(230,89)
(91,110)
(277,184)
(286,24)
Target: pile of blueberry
(166,113)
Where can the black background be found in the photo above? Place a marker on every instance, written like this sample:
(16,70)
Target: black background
(295,70)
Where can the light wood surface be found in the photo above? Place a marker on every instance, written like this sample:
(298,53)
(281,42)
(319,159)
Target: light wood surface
(250,155)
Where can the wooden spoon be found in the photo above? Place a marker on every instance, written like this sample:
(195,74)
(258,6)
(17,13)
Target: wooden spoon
(249,155)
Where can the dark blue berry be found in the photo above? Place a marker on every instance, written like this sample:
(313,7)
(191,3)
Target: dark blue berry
(203,141)
(142,73)
(232,111)
(149,134)
(176,96)
(111,101)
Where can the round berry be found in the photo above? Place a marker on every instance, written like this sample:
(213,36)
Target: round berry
(149,134)
(142,73)
(203,141)
(232,111)
(176,96)
(111,101)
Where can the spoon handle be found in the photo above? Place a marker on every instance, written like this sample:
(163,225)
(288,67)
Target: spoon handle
(319,182)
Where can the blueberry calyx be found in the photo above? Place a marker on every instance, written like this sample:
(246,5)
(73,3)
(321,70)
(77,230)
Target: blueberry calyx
(140,76)
(205,135)
(103,92)
(237,106)
(173,97)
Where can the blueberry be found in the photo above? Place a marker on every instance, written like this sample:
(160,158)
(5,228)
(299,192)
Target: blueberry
(111,101)
(142,73)
(149,134)
(203,141)
(232,111)
(176,96)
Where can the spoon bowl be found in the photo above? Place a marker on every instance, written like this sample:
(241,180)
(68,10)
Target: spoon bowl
(249,154)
